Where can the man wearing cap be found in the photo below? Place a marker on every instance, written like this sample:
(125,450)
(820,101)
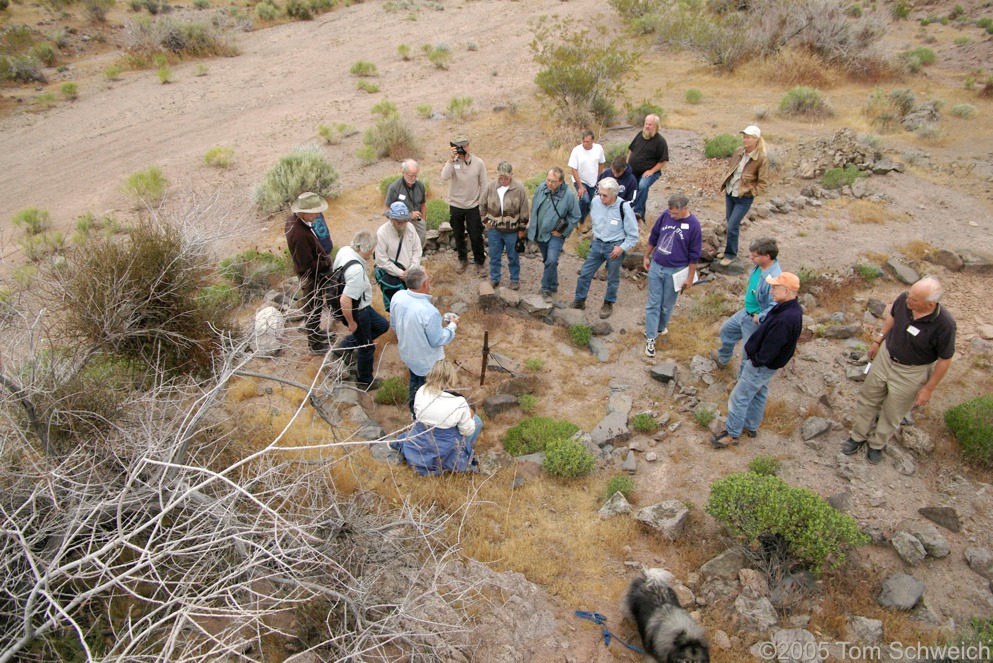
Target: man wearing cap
(648,154)
(768,349)
(398,248)
(615,232)
(621,171)
(362,320)
(421,337)
(746,178)
(505,209)
(586,163)
(758,300)
(467,174)
(410,191)
(310,262)
(554,215)
(910,356)
(673,246)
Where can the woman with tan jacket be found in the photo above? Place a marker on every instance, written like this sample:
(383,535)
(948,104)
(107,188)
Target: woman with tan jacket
(747,178)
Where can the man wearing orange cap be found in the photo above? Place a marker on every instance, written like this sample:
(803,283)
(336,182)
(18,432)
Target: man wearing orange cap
(769,348)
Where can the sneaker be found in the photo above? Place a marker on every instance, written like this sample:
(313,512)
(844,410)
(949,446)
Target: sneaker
(546,296)
(515,285)
(578,303)
(650,347)
(606,310)
(751,433)
(459,268)
(664,332)
(851,446)
(717,359)
(875,456)
(726,262)
(719,255)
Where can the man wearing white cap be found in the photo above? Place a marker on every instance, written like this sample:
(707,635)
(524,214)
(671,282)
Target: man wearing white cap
(310,262)
(747,178)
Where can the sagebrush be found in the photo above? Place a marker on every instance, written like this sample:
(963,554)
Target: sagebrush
(304,169)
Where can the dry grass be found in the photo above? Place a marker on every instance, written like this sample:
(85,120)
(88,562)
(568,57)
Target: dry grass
(916,249)
(864,212)
(790,67)
(875,257)
(781,416)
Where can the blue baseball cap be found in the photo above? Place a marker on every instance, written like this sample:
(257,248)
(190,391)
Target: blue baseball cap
(398,210)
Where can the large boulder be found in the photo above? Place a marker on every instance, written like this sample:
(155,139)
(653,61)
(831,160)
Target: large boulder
(901,591)
(668,518)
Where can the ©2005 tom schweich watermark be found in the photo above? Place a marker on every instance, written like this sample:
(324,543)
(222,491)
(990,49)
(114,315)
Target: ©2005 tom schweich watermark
(893,651)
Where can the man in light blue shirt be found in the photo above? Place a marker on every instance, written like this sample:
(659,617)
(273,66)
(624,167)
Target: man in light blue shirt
(615,232)
(420,334)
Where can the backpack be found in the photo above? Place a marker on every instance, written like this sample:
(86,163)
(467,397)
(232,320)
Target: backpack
(334,289)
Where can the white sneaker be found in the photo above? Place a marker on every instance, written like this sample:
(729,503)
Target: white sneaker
(649,347)
(664,332)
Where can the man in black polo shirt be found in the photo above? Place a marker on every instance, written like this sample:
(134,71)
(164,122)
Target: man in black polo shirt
(917,342)
(648,154)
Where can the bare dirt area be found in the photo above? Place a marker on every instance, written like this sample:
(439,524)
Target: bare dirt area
(290,78)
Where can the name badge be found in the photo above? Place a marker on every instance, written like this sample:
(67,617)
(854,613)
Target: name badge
(402,197)
(614,222)
(912,330)
(458,167)
(684,226)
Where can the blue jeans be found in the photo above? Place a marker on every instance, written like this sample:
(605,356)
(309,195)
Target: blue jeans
(584,200)
(735,209)
(550,252)
(661,298)
(599,254)
(747,402)
(498,243)
(739,327)
(644,184)
(416,382)
(371,326)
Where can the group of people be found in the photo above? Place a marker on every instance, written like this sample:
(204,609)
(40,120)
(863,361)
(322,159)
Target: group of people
(614,198)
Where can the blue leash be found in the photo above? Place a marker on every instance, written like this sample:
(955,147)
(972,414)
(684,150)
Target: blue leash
(599,619)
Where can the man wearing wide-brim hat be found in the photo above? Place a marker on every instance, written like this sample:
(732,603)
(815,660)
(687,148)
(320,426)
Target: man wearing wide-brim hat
(467,174)
(310,263)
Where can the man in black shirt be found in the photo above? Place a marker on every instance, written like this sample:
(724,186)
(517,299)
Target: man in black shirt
(917,342)
(648,154)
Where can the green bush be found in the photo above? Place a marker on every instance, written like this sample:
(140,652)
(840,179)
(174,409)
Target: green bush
(165,74)
(304,169)
(36,247)
(113,72)
(46,53)
(568,458)
(403,50)
(583,248)
(436,212)
(836,178)
(924,56)
(34,221)
(363,68)
(460,108)
(527,402)
(148,185)
(390,137)
(70,91)
(440,56)
(534,364)
(266,11)
(21,69)
(868,273)
(366,86)
(971,423)
(886,110)
(532,183)
(149,36)
(96,10)
(693,96)
(299,10)
(803,101)
(964,111)
(45,100)
(218,295)
(611,150)
(703,416)
(334,134)
(764,465)
(753,506)
(722,146)
(622,484)
(386,108)
(534,433)
(253,272)
(392,391)
(580,335)
(424,110)
(644,423)
(900,10)
(219,157)
(201,4)
(637,114)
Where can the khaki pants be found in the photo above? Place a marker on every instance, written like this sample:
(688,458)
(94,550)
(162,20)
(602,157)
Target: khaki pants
(889,391)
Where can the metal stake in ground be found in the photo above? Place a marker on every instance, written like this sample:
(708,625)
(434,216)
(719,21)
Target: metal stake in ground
(486,357)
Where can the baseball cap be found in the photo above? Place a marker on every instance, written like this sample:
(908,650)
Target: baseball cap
(752,130)
(786,279)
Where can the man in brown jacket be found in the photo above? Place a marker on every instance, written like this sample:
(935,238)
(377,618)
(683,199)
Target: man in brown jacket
(747,178)
(310,263)
(506,212)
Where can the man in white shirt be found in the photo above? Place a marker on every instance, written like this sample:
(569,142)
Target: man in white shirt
(586,163)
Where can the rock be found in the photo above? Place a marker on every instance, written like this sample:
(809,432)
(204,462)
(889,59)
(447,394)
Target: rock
(754,613)
(720,640)
(877,307)
(886,166)
(651,457)
(903,272)
(842,331)
(980,560)
(267,331)
(612,429)
(459,308)
(664,372)
(518,384)
(948,259)
(510,298)
(568,317)
(726,565)
(502,364)
(910,549)
(934,543)
(701,365)
(753,580)
(600,349)
(367,429)
(925,115)
(633,260)
(863,631)
(668,518)
(587,440)
(902,461)
(901,591)
(985,332)
(565,350)
(615,506)
(855,373)
(917,440)
(382,452)
(487,295)
(799,644)
(494,405)
(813,427)
(601,328)
(535,305)
(630,463)
(976,262)
(859,188)
(619,402)
(945,516)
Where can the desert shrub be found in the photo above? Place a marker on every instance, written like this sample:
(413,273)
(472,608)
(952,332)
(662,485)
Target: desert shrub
(88,223)
(580,335)
(366,86)
(386,108)
(694,96)
(113,72)
(36,247)
(754,507)
(764,465)
(803,101)
(254,272)
(146,36)
(21,69)
(436,212)
(148,185)
(392,391)
(34,221)
(532,183)
(164,73)
(440,55)
(900,10)
(4,4)
(304,169)
(96,10)
(712,306)
(334,134)
(70,91)
(320,6)
(200,70)
(266,11)
(534,364)
(424,110)
(404,51)
(363,68)
(580,71)
(460,108)
(527,402)
(887,110)
(534,433)
(868,273)
(620,483)
(703,416)
(390,137)
(637,114)
(299,10)
(46,53)
(568,458)
(201,4)
(644,423)
(964,111)
(219,157)
(721,146)
(218,295)
(610,151)
(583,248)
(924,56)
(45,100)
(836,178)
(971,423)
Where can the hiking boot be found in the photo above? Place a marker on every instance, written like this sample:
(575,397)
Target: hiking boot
(851,446)
(318,348)
(751,433)
(717,441)
(480,270)
(494,284)
(875,456)
(369,386)
(650,347)
(726,262)
(578,303)
(459,268)
(515,285)
(606,310)
(717,359)
(546,296)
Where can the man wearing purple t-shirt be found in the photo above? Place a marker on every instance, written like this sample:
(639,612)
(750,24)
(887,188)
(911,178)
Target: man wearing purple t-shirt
(673,246)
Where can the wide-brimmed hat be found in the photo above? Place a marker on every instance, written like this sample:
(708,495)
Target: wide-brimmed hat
(786,279)
(309,203)
(752,130)
(398,210)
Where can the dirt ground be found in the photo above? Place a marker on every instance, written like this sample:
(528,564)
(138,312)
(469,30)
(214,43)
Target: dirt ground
(291,78)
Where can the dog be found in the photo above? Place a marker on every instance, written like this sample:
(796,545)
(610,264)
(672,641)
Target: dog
(668,633)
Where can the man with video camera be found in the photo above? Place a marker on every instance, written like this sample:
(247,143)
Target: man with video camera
(467,174)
